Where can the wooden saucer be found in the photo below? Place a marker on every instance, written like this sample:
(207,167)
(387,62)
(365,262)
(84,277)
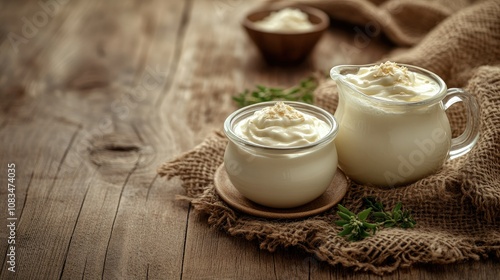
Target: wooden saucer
(234,198)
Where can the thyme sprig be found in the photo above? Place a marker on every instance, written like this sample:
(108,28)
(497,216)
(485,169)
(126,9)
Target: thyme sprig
(303,92)
(355,227)
(359,226)
(395,218)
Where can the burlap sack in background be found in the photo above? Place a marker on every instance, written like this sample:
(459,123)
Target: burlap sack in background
(457,209)
(405,22)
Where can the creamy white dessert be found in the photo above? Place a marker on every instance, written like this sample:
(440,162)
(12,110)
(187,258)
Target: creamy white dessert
(281,126)
(389,144)
(286,20)
(290,170)
(390,81)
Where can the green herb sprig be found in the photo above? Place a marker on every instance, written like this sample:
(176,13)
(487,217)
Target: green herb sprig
(303,92)
(355,226)
(395,218)
(359,226)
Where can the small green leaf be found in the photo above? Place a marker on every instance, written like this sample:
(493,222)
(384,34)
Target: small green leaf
(347,230)
(375,205)
(364,234)
(341,222)
(397,207)
(379,214)
(344,216)
(369,225)
(397,215)
(389,224)
(345,210)
(364,214)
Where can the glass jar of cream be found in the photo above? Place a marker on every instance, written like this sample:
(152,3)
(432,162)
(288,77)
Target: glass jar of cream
(281,154)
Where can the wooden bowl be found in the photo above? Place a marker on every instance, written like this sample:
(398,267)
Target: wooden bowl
(285,47)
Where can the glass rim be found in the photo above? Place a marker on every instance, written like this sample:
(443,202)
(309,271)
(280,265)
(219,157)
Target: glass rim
(249,110)
(335,74)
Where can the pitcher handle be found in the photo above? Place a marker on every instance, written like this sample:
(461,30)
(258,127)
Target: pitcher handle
(463,143)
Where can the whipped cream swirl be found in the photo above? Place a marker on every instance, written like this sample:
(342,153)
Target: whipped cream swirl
(281,126)
(390,81)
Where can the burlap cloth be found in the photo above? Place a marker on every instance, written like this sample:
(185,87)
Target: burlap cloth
(457,209)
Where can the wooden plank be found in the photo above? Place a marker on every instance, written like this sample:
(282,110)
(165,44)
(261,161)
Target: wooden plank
(38,153)
(90,82)
(147,233)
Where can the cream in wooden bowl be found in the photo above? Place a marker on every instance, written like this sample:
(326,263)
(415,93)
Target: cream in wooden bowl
(286,35)
(281,154)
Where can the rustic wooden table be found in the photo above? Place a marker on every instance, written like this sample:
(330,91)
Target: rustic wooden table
(95,95)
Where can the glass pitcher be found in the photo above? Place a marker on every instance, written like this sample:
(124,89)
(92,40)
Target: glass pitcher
(389,143)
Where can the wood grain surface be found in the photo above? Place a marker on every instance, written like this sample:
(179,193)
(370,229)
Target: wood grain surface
(95,95)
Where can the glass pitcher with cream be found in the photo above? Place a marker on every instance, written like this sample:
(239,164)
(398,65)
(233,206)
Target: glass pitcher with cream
(393,129)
